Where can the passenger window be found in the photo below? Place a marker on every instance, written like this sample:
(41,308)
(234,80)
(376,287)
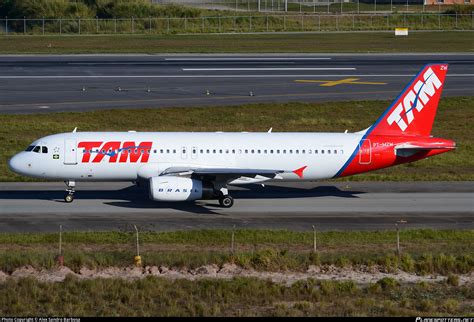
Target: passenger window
(315,151)
(335,151)
(37,149)
(44,149)
(271,151)
(284,151)
(322,151)
(233,151)
(278,151)
(297,151)
(329,151)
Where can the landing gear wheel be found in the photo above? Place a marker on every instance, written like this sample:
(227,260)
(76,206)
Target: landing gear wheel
(69,198)
(226,201)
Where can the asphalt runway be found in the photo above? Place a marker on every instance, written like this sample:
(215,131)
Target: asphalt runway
(38,207)
(30,84)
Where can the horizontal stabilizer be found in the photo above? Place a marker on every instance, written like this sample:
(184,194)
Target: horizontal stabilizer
(407,150)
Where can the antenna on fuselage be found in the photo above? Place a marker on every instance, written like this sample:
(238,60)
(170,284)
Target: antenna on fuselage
(75,129)
(270,130)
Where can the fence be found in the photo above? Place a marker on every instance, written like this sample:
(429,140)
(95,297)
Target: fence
(236,24)
(348,6)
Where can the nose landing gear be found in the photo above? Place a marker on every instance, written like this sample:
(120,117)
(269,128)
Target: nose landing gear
(69,196)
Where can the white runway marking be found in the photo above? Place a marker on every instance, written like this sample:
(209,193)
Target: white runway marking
(245,59)
(215,76)
(266,69)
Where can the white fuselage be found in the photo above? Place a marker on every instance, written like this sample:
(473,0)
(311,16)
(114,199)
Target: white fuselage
(69,158)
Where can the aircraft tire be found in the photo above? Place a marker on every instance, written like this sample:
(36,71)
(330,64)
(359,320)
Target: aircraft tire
(69,198)
(226,201)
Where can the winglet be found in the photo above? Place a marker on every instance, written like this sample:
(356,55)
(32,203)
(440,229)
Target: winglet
(299,172)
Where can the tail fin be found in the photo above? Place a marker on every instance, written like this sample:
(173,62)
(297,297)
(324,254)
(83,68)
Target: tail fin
(414,110)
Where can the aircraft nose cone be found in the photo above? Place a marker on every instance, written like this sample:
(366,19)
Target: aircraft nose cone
(16,164)
(13,164)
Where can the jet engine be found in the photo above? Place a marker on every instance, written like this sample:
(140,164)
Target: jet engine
(168,188)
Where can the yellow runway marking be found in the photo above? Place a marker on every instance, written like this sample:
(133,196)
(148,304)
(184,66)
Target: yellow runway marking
(327,83)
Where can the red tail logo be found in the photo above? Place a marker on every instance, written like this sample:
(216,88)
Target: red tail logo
(413,112)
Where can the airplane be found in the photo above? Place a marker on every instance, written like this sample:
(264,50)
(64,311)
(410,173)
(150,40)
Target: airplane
(189,166)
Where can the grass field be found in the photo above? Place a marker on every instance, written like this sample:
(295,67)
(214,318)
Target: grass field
(423,251)
(370,42)
(236,297)
(454,121)
(244,23)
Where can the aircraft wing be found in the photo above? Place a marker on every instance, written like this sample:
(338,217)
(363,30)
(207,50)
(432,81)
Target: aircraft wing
(221,174)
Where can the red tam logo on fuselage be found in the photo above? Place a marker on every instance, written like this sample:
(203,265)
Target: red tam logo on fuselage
(115,151)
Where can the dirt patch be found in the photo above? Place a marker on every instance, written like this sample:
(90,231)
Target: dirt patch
(360,274)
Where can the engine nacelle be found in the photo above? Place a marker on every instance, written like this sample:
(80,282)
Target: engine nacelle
(168,188)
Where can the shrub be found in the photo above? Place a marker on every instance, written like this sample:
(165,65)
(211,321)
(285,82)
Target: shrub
(390,262)
(452,280)
(388,283)
(426,305)
(407,263)
(450,306)
(459,8)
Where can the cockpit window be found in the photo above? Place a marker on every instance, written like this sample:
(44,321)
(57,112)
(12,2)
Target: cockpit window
(30,148)
(44,149)
(37,149)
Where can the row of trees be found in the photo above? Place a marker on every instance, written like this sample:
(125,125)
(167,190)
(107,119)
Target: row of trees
(91,8)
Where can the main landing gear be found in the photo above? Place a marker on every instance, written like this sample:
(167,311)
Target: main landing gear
(69,196)
(225,200)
